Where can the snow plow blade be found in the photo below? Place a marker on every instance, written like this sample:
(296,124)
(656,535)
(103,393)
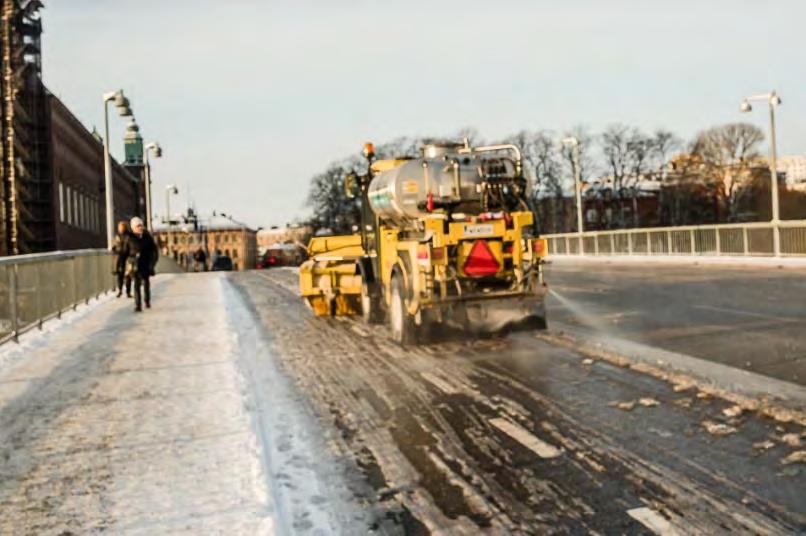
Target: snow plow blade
(327,280)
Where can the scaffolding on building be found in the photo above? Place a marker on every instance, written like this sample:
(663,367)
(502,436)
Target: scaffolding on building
(26,188)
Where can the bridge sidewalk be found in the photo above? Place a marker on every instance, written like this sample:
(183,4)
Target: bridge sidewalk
(131,423)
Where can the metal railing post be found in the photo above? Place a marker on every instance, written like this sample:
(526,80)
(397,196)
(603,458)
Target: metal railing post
(718,243)
(744,241)
(776,238)
(629,243)
(648,243)
(75,283)
(38,291)
(12,301)
(693,242)
(612,243)
(668,242)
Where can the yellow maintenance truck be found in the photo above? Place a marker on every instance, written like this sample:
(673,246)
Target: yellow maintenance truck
(446,238)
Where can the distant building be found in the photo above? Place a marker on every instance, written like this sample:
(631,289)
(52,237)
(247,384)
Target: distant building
(794,170)
(294,234)
(216,235)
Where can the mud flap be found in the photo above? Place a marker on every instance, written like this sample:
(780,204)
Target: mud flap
(500,315)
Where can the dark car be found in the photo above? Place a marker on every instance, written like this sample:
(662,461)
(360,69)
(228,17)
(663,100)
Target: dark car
(222,264)
(282,255)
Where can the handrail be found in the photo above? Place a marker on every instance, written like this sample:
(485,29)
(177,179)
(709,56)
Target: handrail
(752,224)
(51,255)
(40,286)
(742,239)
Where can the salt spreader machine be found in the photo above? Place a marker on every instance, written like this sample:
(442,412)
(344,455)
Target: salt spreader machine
(448,237)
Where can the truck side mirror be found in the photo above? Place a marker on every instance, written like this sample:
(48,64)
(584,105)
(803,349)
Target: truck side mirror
(351,185)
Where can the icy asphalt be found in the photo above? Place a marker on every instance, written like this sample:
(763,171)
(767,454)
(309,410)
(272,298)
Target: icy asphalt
(750,317)
(230,409)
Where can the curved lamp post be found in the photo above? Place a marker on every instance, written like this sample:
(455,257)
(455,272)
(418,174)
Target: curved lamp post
(573,142)
(124,110)
(773,100)
(170,189)
(155,147)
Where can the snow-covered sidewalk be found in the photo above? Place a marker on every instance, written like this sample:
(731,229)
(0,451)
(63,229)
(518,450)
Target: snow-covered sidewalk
(153,423)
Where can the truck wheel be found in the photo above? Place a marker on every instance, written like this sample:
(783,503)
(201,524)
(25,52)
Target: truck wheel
(400,322)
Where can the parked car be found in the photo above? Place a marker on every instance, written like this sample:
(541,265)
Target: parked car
(282,255)
(222,263)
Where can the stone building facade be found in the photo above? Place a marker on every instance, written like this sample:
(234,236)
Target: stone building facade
(79,199)
(293,234)
(217,235)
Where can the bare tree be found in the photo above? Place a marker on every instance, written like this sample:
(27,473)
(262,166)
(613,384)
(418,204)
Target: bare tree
(640,150)
(726,153)
(541,159)
(472,135)
(614,144)
(664,143)
(332,209)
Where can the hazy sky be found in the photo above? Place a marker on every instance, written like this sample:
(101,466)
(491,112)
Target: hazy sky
(252,98)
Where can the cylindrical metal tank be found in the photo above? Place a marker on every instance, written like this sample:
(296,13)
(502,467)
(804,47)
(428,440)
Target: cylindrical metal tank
(401,194)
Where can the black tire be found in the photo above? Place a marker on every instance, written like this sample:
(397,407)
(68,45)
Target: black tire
(371,308)
(401,324)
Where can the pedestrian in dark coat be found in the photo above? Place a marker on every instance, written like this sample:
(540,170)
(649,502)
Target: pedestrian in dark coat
(119,260)
(142,253)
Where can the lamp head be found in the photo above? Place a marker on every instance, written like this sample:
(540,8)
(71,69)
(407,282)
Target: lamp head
(745,106)
(775,100)
(155,146)
(369,150)
(570,141)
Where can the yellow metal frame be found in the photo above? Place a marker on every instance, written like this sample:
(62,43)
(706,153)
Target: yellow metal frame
(327,280)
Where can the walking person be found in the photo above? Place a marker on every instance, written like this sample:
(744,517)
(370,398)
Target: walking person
(119,261)
(201,260)
(142,254)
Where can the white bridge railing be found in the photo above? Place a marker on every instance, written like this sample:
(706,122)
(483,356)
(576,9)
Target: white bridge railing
(34,288)
(733,239)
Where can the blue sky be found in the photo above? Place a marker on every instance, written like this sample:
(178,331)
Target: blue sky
(250,100)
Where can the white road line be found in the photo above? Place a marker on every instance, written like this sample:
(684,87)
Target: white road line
(653,521)
(525,438)
(439,383)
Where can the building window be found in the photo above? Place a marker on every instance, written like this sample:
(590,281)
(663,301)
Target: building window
(61,202)
(76,213)
(68,198)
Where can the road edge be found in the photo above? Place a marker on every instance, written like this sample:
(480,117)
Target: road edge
(779,399)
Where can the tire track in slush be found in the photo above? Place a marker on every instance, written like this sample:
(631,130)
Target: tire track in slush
(451,443)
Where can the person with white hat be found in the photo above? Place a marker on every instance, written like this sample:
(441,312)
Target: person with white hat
(142,253)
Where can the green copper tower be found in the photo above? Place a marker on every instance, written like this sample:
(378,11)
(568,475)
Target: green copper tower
(133,145)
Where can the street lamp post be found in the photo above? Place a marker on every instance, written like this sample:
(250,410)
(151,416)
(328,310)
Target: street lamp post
(574,143)
(155,146)
(170,189)
(773,100)
(122,104)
